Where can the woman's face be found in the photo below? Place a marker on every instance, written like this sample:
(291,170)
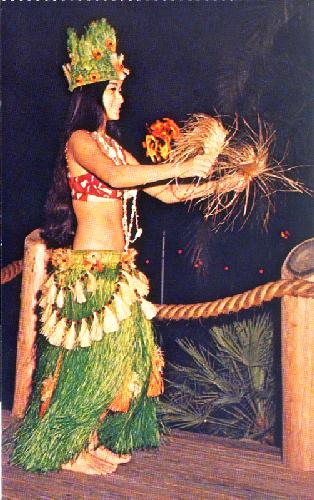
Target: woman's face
(112,99)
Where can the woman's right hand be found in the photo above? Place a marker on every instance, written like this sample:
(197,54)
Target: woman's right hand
(196,167)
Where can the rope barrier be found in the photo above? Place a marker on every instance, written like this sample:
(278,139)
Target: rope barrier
(245,300)
(11,271)
(227,305)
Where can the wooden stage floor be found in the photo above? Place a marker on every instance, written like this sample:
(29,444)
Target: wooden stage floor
(187,466)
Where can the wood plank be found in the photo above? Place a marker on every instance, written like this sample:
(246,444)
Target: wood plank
(297,355)
(187,466)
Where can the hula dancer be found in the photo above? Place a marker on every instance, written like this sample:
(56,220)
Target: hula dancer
(99,370)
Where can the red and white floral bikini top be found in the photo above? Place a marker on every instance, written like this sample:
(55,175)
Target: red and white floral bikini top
(87,187)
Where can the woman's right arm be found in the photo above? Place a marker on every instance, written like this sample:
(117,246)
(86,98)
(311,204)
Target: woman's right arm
(86,153)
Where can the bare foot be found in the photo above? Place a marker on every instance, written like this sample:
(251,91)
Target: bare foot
(108,456)
(87,463)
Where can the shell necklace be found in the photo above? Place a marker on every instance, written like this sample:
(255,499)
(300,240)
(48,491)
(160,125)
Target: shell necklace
(130,224)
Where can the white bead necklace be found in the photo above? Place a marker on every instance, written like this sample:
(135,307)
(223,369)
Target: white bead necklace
(114,151)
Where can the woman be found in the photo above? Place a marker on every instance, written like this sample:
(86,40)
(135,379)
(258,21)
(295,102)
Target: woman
(99,370)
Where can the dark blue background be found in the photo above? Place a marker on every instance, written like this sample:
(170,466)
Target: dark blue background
(179,53)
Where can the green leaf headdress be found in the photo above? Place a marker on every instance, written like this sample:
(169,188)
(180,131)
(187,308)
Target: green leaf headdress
(93,56)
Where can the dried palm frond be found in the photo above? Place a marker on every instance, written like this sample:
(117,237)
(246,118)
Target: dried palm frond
(249,160)
(201,135)
(242,166)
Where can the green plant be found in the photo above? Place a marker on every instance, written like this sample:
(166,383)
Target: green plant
(231,392)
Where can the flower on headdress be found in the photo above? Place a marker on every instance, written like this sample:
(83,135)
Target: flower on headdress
(110,45)
(79,80)
(94,76)
(97,54)
(117,63)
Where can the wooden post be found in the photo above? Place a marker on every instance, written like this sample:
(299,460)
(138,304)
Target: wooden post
(34,274)
(298,363)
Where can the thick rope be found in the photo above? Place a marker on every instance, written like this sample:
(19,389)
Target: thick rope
(245,300)
(227,305)
(11,271)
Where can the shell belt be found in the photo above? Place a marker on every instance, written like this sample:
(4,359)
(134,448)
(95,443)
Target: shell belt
(131,287)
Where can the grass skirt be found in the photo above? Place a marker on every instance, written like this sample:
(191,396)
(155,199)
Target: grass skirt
(114,377)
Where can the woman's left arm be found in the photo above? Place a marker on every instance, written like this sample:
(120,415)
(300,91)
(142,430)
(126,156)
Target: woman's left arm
(176,193)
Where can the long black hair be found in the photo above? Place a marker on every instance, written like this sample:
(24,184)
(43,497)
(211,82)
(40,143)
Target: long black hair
(85,113)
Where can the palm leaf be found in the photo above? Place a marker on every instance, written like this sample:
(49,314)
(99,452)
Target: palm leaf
(259,26)
(230,393)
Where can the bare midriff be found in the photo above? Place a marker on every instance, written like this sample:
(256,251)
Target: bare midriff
(99,225)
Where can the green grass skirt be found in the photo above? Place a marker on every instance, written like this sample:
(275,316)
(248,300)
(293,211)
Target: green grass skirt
(89,380)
